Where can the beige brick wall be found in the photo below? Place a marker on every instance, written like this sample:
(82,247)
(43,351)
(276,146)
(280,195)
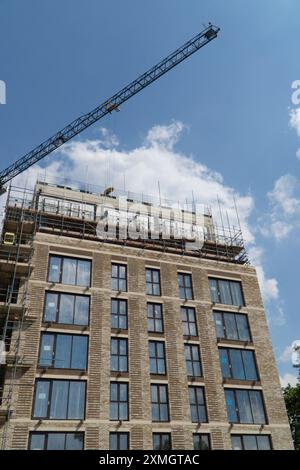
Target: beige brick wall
(97,425)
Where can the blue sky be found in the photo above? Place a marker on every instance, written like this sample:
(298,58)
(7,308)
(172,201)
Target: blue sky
(233,98)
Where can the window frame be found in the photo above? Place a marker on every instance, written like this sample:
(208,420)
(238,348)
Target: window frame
(200,435)
(183,276)
(237,410)
(118,435)
(119,265)
(118,401)
(192,361)
(62,258)
(161,319)
(118,355)
(230,282)
(118,314)
(159,403)
(46,434)
(157,358)
(225,337)
(50,380)
(188,322)
(56,334)
(152,283)
(230,365)
(57,313)
(197,404)
(160,435)
(241,436)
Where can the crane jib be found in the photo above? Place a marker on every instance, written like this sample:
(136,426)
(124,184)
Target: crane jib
(108,106)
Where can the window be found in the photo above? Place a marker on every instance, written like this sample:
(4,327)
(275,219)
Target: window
(59,399)
(185,286)
(119,354)
(245,406)
(159,402)
(238,364)
(67,207)
(152,281)
(119,401)
(201,441)
(64,270)
(251,442)
(118,441)
(119,277)
(197,404)
(233,326)
(67,308)
(188,316)
(63,351)
(155,318)
(226,292)
(161,441)
(119,314)
(56,441)
(192,359)
(157,357)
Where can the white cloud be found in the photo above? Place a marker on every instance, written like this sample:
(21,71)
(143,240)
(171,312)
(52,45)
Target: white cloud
(282,197)
(295,119)
(286,355)
(165,136)
(288,379)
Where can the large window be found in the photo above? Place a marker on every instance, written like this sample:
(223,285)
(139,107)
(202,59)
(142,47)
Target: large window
(161,441)
(152,281)
(155,318)
(118,441)
(159,402)
(226,292)
(251,442)
(119,314)
(233,326)
(238,364)
(119,401)
(188,316)
(197,404)
(73,271)
(63,351)
(119,354)
(201,441)
(245,406)
(157,357)
(119,277)
(185,286)
(67,207)
(192,359)
(56,441)
(59,399)
(67,308)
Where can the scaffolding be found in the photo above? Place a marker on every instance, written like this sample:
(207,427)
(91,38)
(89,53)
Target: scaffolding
(16,254)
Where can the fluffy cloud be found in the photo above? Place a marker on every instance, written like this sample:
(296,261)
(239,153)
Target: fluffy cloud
(286,355)
(295,119)
(102,162)
(287,379)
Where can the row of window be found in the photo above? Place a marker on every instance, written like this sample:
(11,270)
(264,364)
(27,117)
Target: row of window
(77,272)
(67,351)
(65,400)
(160,441)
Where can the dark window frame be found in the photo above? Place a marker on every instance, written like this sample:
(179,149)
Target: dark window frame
(160,435)
(152,283)
(118,436)
(157,358)
(118,314)
(201,435)
(118,278)
(241,436)
(46,434)
(183,276)
(118,355)
(192,361)
(237,411)
(228,350)
(62,257)
(197,404)
(118,401)
(222,313)
(160,403)
(50,397)
(188,322)
(230,281)
(55,334)
(59,294)
(161,319)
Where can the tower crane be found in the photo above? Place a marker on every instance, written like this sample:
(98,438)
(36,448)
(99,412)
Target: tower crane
(108,106)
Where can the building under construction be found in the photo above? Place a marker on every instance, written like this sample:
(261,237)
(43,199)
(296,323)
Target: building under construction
(114,342)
